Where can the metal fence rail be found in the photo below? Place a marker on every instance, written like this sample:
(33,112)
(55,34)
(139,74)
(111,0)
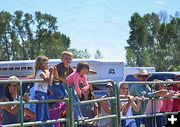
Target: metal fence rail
(70,122)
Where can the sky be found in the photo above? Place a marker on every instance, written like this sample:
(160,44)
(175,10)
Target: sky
(94,24)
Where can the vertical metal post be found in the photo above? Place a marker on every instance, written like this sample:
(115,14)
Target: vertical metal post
(68,109)
(21,104)
(114,106)
(71,107)
(118,105)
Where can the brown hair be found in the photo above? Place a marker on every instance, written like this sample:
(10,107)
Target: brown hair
(81,66)
(39,63)
(66,53)
(91,95)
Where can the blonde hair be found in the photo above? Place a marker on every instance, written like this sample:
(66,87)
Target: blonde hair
(123,84)
(39,64)
(68,53)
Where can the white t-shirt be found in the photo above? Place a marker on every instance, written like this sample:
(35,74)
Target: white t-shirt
(129,113)
(41,86)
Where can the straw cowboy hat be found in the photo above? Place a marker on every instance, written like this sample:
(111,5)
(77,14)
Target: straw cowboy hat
(14,78)
(143,73)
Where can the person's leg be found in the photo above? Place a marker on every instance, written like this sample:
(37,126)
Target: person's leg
(57,92)
(63,89)
(123,123)
(39,107)
(160,120)
(138,122)
(132,124)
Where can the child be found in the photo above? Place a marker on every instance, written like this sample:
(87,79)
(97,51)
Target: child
(126,107)
(76,79)
(63,69)
(89,110)
(42,72)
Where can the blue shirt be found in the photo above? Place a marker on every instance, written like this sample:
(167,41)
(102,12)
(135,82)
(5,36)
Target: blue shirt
(141,90)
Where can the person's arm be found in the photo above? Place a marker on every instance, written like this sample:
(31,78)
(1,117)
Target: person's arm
(85,83)
(46,78)
(12,109)
(29,113)
(105,107)
(76,79)
(96,111)
(136,106)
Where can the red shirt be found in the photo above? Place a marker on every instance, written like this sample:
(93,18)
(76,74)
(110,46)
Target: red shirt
(167,106)
(176,105)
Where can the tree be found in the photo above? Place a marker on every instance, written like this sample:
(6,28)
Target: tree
(80,53)
(154,41)
(24,36)
(98,55)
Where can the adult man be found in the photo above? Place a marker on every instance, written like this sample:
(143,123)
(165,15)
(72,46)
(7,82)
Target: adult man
(143,90)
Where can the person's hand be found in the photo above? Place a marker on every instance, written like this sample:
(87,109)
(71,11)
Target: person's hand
(131,98)
(161,93)
(83,90)
(51,69)
(26,97)
(64,80)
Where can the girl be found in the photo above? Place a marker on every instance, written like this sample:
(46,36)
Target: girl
(89,110)
(10,112)
(42,72)
(126,107)
(76,79)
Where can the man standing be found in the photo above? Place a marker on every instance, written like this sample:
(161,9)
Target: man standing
(143,90)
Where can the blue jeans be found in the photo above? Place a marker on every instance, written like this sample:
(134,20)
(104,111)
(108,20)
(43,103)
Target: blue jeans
(131,124)
(42,111)
(59,91)
(77,111)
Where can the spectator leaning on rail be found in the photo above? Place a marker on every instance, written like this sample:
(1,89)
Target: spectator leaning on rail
(64,70)
(10,113)
(78,81)
(143,90)
(42,72)
(126,107)
(89,110)
(58,91)
(176,88)
(105,108)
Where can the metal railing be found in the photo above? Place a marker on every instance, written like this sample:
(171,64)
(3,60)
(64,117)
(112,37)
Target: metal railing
(154,114)
(70,122)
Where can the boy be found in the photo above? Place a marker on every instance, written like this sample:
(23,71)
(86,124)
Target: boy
(64,70)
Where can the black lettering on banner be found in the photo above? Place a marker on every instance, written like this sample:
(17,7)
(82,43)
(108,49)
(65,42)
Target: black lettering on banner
(111,71)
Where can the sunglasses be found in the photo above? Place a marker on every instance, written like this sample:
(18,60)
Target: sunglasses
(124,88)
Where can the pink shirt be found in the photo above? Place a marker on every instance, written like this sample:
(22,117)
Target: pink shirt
(56,112)
(167,106)
(75,79)
(158,104)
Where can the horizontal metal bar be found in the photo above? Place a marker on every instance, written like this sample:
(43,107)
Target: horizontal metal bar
(94,100)
(38,122)
(149,115)
(149,82)
(33,101)
(160,98)
(23,81)
(96,119)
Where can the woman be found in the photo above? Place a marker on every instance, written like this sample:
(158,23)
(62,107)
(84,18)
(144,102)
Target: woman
(89,110)
(10,112)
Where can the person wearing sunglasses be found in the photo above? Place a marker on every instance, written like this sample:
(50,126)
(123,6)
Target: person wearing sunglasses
(176,88)
(143,90)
